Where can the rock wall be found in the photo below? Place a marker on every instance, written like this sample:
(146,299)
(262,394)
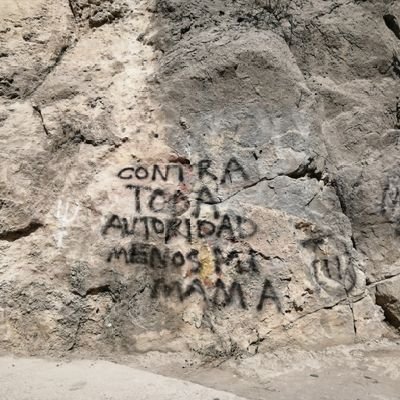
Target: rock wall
(221,176)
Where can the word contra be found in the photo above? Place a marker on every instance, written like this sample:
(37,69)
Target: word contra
(164,173)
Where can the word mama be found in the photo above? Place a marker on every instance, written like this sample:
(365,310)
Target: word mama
(219,294)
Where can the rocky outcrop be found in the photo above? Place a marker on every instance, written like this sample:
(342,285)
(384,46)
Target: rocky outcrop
(217,175)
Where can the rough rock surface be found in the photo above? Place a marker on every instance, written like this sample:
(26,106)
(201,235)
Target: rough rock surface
(221,176)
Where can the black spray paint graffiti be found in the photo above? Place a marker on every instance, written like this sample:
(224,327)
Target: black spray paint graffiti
(230,227)
(153,173)
(220,293)
(154,257)
(160,201)
(233,170)
(158,217)
(333,274)
(148,255)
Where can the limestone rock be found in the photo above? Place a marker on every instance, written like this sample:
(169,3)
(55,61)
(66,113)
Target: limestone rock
(387,294)
(219,176)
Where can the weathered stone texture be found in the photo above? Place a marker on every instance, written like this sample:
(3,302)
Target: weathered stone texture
(219,175)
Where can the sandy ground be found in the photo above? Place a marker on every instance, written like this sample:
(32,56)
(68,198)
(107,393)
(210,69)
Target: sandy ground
(360,372)
(38,379)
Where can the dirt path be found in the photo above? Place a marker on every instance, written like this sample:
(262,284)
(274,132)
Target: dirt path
(37,379)
(360,372)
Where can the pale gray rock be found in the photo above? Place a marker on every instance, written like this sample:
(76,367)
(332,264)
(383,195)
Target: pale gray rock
(218,176)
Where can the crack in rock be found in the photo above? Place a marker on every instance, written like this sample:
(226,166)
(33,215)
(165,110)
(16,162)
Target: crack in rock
(39,112)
